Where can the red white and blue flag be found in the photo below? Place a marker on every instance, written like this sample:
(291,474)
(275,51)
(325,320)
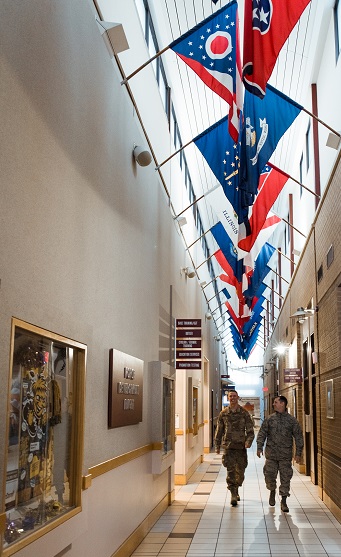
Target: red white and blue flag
(212,50)
(267,25)
(270,185)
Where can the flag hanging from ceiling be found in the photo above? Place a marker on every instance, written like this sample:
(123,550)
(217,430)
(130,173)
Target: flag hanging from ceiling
(270,185)
(265,122)
(264,234)
(211,49)
(222,155)
(252,302)
(226,293)
(256,316)
(225,212)
(228,248)
(267,25)
(261,269)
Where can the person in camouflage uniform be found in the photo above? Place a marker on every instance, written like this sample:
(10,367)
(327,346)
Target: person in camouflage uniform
(279,431)
(235,434)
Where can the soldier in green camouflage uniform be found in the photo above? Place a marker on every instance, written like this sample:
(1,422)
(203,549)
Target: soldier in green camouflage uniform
(279,431)
(235,434)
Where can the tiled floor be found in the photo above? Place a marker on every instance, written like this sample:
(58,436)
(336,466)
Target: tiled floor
(201,522)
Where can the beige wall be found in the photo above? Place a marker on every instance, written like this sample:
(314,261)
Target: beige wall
(88,245)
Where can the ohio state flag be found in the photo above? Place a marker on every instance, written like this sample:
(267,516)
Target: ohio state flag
(267,25)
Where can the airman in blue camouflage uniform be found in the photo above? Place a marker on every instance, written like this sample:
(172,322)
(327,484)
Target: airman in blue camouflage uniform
(235,434)
(279,431)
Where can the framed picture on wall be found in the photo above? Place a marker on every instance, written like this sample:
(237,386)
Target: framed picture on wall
(329,399)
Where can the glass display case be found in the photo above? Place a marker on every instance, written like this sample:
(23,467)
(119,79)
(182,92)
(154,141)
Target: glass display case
(45,431)
(168,415)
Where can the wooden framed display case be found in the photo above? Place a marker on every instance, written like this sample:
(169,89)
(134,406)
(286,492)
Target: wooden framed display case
(45,434)
(162,382)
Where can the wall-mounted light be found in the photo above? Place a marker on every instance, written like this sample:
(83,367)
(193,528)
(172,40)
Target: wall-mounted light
(181,221)
(208,315)
(142,156)
(203,283)
(281,348)
(302,314)
(333,141)
(116,40)
(189,271)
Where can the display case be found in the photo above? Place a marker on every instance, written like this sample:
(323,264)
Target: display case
(162,377)
(45,433)
(168,415)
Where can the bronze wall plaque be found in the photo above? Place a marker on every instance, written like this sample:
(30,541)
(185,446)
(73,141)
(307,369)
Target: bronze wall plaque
(125,389)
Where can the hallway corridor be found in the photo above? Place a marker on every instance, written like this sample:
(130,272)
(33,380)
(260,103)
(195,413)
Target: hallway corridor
(201,522)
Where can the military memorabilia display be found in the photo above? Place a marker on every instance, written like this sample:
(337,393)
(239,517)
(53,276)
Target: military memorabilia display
(38,476)
(168,415)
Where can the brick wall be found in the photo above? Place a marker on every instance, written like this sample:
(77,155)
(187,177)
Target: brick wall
(325,326)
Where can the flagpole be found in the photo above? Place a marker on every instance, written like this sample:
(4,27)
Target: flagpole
(280,276)
(321,121)
(215,296)
(289,223)
(217,308)
(210,257)
(126,79)
(275,292)
(197,240)
(206,193)
(222,315)
(189,206)
(173,155)
(215,278)
(288,258)
(293,179)
(267,299)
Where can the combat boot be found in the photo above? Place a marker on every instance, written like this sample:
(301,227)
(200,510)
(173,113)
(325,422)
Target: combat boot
(234,495)
(272,498)
(284,506)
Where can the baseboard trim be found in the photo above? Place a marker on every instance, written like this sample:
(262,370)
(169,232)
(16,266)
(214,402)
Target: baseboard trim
(182,479)
(134,540)
(331,505)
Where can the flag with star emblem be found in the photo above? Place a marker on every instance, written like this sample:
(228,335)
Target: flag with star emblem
(222,156)
(212,50)
(267,25)
(265,122)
